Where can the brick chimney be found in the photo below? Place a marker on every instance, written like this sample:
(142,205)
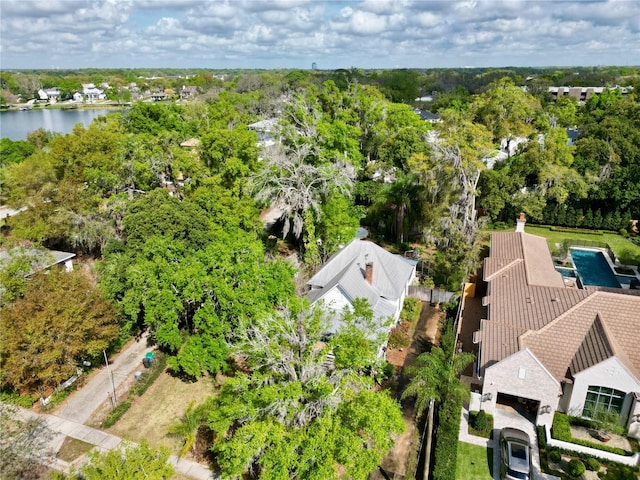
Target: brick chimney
(368,272)
(520,223)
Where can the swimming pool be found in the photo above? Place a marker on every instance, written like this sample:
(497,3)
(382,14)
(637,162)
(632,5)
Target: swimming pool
(593,268)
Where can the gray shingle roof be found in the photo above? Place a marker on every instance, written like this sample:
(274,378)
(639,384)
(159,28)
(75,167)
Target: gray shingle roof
(346,270)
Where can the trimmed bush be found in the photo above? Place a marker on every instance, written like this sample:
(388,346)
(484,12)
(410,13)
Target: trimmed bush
(555,456)
(447,441)
(561,430)
(592,464)
(576,468)
(480,420)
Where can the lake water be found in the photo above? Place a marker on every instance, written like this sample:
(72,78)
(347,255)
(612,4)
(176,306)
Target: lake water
(17,124)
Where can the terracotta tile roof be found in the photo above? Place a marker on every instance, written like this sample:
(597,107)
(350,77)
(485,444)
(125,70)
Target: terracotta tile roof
(595,348)
(602,325)
(529,306)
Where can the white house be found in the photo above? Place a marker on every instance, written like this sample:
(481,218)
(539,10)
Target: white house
(363,269)
(91,93)
(555,347)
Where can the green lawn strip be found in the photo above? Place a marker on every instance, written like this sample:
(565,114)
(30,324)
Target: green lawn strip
(473,462)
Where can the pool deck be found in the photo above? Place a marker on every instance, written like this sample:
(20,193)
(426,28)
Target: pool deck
(612,266)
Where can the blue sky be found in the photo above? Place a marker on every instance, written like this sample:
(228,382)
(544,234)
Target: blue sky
(332,33)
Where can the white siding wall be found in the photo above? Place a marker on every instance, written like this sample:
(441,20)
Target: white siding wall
(521,375)
(610,373)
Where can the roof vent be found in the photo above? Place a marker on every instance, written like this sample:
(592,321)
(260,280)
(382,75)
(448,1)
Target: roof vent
(530,300)
(555,299)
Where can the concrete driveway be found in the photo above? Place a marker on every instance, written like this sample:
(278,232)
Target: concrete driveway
(79,406)
(511,418)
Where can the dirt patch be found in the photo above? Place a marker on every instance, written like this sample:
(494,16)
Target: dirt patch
(162,405)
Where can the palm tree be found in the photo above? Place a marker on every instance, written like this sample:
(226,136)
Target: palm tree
(187,427)
(435,375)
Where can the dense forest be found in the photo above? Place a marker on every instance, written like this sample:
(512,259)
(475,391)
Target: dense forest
(178,245)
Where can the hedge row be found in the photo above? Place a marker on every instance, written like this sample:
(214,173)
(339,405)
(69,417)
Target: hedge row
(582,231)
(447,440)
(561,430)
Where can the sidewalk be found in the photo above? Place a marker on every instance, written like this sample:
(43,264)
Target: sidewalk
(80,405)
(104,441)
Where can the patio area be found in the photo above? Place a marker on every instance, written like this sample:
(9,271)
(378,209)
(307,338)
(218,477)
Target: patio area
(617,441)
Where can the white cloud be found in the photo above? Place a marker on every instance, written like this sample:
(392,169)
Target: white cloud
(334,33)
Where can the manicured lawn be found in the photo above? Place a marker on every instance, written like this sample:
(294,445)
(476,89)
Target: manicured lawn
(474,462)
(627,252)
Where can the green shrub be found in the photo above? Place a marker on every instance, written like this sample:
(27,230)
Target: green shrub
(575,468)
(115,414)
(447,441)
(411,309)
(542,437)
(592,464)
(555,456)
(480,420)
(399,336)
(14,398)
(561,430)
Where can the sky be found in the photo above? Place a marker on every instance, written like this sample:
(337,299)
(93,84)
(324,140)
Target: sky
(265,34)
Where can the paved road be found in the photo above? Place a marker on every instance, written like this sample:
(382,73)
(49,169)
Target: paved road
(103,441)
(79,406)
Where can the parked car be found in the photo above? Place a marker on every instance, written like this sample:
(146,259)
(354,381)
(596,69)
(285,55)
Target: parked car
(515,454)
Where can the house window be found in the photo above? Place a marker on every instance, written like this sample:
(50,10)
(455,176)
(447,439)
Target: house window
(603,399)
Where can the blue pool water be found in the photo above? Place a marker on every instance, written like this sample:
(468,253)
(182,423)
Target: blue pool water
(567,272)
(594,269)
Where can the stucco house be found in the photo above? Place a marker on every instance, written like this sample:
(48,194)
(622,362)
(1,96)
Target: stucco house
(363,269)
(553,347)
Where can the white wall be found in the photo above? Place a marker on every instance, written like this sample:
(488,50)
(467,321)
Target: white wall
(610,373)
(522,375)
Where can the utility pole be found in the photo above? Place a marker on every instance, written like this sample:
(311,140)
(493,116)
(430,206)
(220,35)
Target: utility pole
(115,399)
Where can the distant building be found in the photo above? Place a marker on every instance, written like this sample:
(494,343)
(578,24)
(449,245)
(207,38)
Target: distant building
(314,66)
(582,94)
(266,130)
(188,92)
(91,93)
(427,116)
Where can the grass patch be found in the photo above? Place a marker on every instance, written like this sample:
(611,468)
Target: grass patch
(627,252)
(162,406)
(72,448)
(474,462)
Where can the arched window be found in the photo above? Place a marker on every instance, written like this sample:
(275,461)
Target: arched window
(602,399)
